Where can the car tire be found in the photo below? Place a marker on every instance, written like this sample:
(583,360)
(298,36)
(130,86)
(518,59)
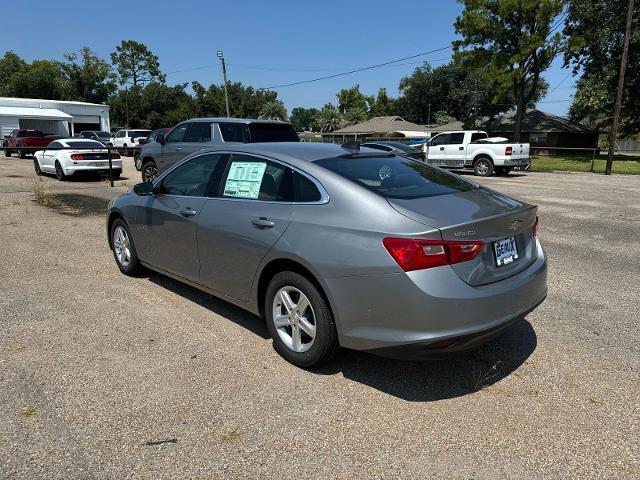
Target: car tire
(149,171)
(22,153)
(137,161)
(36,167)
(124,250)
(507,170)
(115,174)
(125,152)
(60,172)
(483,167)
(7,153)
(306,338)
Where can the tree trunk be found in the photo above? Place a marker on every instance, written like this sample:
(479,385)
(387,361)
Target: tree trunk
(520,110)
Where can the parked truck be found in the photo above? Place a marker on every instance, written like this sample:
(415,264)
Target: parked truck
(26,141)
(475,149)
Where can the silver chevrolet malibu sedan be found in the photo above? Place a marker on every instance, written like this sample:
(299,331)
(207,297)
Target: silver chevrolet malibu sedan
(338,246)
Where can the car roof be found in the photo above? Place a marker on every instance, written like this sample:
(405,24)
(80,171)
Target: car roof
(306,151)
(235,120)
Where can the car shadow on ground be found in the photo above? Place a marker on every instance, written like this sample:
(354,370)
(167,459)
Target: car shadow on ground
(412,381)
(514,174)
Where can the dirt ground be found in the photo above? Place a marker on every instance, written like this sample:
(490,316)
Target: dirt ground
(106,376)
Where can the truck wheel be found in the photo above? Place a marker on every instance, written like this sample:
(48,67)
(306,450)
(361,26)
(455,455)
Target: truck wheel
(22,153)
(483,167)
(7,153)
(499,171)
(126,152)
(507,170)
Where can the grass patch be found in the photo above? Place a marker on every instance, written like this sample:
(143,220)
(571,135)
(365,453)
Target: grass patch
(229,436)
(627,164)
(44,198)
(28,410)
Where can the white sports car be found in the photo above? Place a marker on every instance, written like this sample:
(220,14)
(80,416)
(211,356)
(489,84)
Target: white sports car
(78,156)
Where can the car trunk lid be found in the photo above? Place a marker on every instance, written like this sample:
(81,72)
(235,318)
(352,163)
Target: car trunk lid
(484,215)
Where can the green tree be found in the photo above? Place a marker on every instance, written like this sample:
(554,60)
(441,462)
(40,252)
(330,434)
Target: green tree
(10,66)
(383,105)
(134,62)
(244,102)
(355,115)
(41,79)
(302,118)
(514,41)
(328,119)
(595,29)
(88,78)
(273,110)
(350,98)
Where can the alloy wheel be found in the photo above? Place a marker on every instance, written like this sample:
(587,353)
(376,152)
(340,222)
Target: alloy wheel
(149,172)
(122,246)
(294,319)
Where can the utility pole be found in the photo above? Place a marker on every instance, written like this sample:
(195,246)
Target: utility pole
(224,73)
(429,116)
(616,111)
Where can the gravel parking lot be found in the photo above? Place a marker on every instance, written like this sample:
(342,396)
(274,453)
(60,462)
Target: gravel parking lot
(105,376)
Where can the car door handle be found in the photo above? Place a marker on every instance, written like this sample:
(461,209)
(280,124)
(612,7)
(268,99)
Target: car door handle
(188,212)
(262,222)
(441,148)
(178,149)
(460,148)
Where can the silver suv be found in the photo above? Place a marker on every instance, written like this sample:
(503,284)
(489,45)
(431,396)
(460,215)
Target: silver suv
(198,133)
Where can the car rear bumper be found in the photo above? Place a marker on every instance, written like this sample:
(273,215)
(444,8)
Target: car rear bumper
(388,313)
(74,169)
(520,162)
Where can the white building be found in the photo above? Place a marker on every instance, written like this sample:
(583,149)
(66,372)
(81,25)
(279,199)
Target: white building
(55,117)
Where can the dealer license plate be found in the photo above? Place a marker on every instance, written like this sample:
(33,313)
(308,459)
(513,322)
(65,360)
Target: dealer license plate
(506,251)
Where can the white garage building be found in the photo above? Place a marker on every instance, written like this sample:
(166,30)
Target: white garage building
(55,117)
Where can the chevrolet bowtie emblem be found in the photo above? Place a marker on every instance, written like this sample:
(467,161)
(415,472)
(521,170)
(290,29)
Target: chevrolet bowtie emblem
(515,225)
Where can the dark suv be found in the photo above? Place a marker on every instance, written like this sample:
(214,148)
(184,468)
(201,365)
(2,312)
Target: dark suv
(198,133)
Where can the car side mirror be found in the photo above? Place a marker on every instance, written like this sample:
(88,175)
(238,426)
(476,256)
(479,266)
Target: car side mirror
(160,139)
(143,189)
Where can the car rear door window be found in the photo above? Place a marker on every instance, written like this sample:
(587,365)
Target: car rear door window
(272,132)
(199,132)
(304,189)
(196,177)
(232,132)
(255,178)
(456,139)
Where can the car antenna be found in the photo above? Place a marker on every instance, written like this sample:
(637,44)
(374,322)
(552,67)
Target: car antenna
(351,147)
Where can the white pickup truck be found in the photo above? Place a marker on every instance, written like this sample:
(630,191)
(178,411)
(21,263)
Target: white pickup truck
(474,149)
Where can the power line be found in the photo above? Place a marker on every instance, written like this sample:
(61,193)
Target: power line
(370,67)
(278,69)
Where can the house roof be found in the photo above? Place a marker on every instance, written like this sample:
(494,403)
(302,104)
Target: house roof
(38,113)
(535,121)
(382,125)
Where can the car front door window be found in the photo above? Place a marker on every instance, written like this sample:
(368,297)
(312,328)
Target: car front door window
(193,178)
(177,134)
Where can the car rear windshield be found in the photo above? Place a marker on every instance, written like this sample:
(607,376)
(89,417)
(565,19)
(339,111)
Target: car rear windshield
(271,132)
(85,144)
(31,133)
(140,133)
(103,134)
(396,177)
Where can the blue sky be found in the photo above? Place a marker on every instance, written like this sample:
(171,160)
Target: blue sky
(265,42)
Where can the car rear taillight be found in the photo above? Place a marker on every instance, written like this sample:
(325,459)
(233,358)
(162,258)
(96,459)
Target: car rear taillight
(534,229)
(115,156)
(508,150)
(77,156)
(416,254)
